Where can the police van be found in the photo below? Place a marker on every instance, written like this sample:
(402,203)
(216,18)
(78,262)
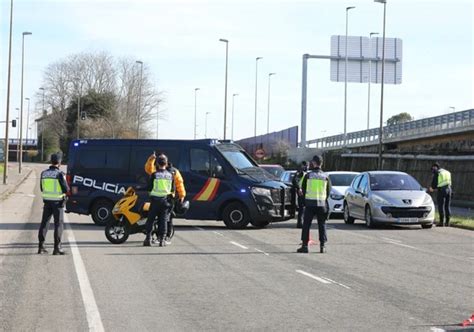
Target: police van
(222,181)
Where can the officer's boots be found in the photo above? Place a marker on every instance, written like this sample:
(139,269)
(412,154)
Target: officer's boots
(58,250)
(322,249)
(162,241)
(42,249)
(147,242)
(303,249)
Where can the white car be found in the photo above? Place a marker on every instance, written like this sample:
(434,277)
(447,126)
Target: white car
(340,181)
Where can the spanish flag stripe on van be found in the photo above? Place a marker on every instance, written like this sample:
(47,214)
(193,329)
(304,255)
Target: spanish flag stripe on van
(208,192)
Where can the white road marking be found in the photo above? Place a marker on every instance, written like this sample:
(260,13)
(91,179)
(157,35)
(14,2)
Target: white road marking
(263,252)
(92,311)
(437,329)
(402,245)
(218,233)
(238,245)
(324,281)
(337,283)
(392,240)
(199,228)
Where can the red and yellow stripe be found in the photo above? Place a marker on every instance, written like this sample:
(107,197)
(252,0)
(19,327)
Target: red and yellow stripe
(209,191)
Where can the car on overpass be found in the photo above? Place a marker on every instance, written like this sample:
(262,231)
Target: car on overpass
(388,197)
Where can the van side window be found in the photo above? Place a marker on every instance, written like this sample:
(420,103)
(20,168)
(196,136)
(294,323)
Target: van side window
(98,160)
(140,155)
(204,163)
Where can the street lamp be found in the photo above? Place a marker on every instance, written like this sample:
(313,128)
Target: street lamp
(195,110)
(43,111)
(345,74)
(17,134)
(256,85)
(370,77)
(21,97)
(27,119)
(139,97)
(382,85)
(233,101)
(225,89)
(7,116)
(205,125)
(268,111)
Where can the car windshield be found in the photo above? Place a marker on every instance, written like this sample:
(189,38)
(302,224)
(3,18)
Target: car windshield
(342,180)
(274,170)
(237,159)
(393,182)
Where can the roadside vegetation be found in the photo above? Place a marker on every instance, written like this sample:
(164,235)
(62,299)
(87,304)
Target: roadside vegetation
(462,222)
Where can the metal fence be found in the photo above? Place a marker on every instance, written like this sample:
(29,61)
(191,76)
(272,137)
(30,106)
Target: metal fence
(444,124)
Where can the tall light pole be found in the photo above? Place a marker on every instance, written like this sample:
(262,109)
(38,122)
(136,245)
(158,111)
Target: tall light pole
(195,110)
(205,124)
(345,75)
(370,77)
(268,111)
(21,97)
(157,122)
(225,88)
(7,117)
(43,111)
(17,134)
(27,118)
(382,85)
(139,97)
(256,85)
(233,102)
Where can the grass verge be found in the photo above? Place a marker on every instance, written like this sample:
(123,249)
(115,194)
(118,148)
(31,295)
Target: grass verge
(462,222)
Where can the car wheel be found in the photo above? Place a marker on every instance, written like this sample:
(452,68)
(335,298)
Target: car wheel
(347,216)
(426,226)
(369,221)
(235,216)
(102,212)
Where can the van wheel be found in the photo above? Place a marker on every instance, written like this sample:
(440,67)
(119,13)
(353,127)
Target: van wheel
(235,216)
(347,215)
(102,212)
(259,224)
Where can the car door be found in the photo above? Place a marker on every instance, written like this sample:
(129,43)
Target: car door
(350,195)
(360,198)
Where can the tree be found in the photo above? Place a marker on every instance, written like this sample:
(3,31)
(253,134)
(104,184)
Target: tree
(109,91)
(400,118)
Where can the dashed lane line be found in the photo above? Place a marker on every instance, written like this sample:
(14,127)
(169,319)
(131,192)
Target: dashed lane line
(312,276)
(263,252)
(238,245)
(94,320)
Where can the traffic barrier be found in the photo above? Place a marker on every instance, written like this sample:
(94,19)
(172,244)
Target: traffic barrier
(468,321)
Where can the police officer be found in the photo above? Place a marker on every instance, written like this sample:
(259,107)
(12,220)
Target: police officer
(315,188)
(53,190)
(160,187)
(300,198)
(442,183)
(181,191)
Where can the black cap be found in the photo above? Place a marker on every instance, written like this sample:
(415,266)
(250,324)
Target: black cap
(162,160)
(55,158)
(436,164)
(317,159)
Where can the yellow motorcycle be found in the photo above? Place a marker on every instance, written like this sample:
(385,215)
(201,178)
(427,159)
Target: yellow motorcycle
(130,218)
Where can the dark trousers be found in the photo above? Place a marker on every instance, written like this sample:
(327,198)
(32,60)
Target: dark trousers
(169,225)
(159,208)
(299,220)
(55,209)
(444,204)
(321,214)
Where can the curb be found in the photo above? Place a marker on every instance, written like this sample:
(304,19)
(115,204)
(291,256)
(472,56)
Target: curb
(7,192)
(462,227)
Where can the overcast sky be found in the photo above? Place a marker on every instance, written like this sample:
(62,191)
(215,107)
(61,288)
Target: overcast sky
(179,41)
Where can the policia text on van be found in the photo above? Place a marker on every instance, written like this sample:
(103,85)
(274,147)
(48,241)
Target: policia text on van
(222,181)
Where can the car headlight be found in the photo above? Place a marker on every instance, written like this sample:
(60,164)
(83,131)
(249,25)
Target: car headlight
(428,200)
(261,191)
(336,197)
(379,200)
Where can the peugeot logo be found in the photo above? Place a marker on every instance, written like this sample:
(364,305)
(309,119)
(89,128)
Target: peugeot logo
(406,201)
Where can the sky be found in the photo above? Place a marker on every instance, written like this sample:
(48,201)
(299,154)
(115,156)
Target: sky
(179,41)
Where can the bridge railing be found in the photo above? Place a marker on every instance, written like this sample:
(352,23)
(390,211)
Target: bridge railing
(453,122)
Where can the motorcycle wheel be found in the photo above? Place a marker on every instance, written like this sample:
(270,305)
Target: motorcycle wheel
(116,231)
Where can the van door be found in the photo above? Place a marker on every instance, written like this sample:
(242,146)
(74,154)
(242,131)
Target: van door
(204,180)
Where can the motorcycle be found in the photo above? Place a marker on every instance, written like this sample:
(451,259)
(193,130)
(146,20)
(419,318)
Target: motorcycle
(130,218)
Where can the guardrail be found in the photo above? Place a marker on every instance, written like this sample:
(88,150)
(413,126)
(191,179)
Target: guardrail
(443,124)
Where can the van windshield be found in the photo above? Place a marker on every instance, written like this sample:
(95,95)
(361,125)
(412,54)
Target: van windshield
(237,159)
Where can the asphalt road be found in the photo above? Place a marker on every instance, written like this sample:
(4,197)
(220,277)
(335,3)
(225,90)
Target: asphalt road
(211,278)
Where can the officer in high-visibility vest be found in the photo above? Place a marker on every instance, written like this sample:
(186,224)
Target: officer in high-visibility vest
(442,183)
(53,190)
(300,198)
(315,188)
(161,188)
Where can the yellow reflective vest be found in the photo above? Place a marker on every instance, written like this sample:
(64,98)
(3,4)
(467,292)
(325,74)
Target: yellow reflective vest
(444,178)
(162,184)
(316,188)
(51,189)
